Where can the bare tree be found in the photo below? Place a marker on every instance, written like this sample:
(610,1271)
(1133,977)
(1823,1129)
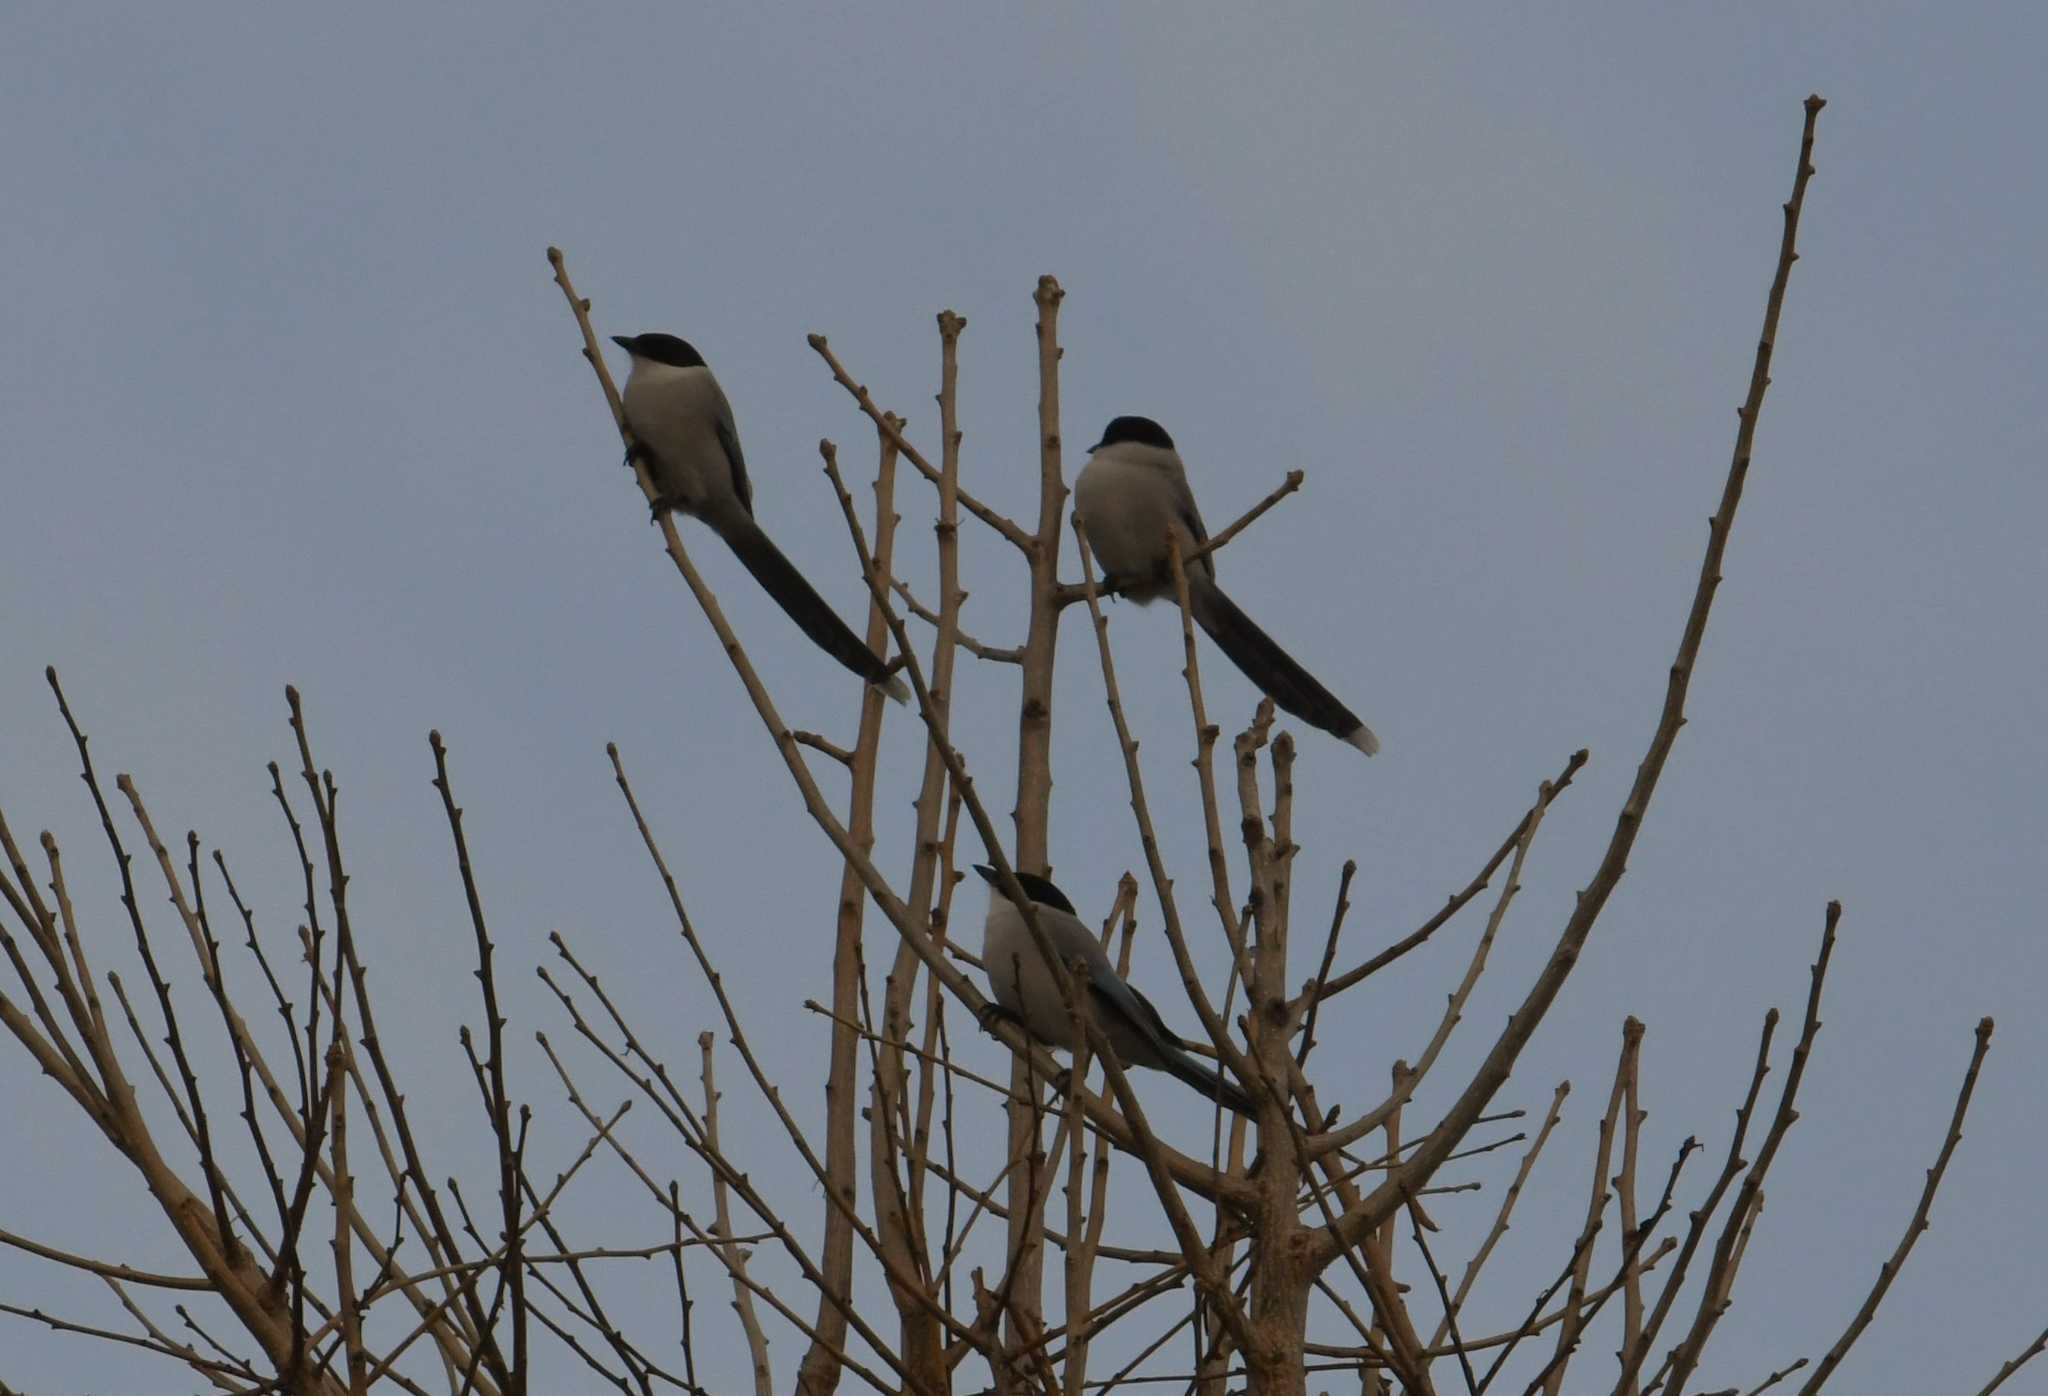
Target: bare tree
(930,1279)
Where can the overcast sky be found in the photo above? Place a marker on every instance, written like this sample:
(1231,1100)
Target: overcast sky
(289,397)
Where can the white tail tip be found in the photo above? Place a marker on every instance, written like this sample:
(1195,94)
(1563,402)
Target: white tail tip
(1364,740)
(900,691)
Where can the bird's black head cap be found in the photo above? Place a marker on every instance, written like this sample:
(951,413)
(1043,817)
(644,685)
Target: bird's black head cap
(1142,430)
(1036,888)
(661,349)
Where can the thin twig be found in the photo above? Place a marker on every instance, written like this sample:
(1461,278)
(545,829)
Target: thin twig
(1727,1257)
(1454,1007)
(1322,988)
(1596,1206)
(1314,992)
(499,1102)
(735,1259)
(1507,1207)
(887,424)
(1889,1271)
(998,654)
(2027,1354)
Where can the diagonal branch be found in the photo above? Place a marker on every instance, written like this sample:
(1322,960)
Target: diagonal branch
(1507,1049)
(1889,1271)
(1324,987)
(891,427)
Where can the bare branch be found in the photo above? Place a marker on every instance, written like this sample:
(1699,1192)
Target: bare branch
(1500,1061)
(1507,1206)
(1456,903)
(1741,1215)
(1454,1007)
(980,650)
(735,1259)
(890,426)
(1596,1206)
(128,1274)
(2027,1354)
(1889,1271)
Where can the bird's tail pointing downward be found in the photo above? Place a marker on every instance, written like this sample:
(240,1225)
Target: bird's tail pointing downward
(780,579)
(1262,661)
(1209,1083)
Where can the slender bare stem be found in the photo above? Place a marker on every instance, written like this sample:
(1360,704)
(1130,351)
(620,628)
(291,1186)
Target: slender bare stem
(1507,1049)
(1889,1271)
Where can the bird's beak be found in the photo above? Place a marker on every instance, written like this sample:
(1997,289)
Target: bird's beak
(624,341)
(1096,447)
(988,873)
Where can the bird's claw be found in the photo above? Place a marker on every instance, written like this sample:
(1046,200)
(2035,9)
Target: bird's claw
(992,1013)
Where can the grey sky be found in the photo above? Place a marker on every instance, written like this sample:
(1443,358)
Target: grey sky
(290,397)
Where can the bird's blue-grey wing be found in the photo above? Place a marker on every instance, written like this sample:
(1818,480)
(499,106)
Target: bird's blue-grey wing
(1151,1021)
(735,458)
(1190,518)
(1117,997)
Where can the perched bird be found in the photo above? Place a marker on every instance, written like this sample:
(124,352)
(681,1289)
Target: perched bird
(1132,490)
(683,428)
(1024,986)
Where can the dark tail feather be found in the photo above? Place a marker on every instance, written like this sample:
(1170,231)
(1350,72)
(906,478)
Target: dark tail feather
(1210,1084)
(780,579)
(1289,685)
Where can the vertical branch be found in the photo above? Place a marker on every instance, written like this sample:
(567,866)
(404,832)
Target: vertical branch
(1728,1250)
(684,1303)
(231,1019)
(819,1371)
(1704,1213)
(1084,1220)
(730,1252)
(1281,1280)
(307,1058)
(1596,1208)
(1313,994)
(1034,800)
(935,1060)
(1625,1186)
(344,1203)
(1272,908)
(349,972)
(1034,719)
(1416,1222)
(1399,1073)
(1205,745)
(1079,1260)
(898,1220)
(498,1099)
(936,810)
